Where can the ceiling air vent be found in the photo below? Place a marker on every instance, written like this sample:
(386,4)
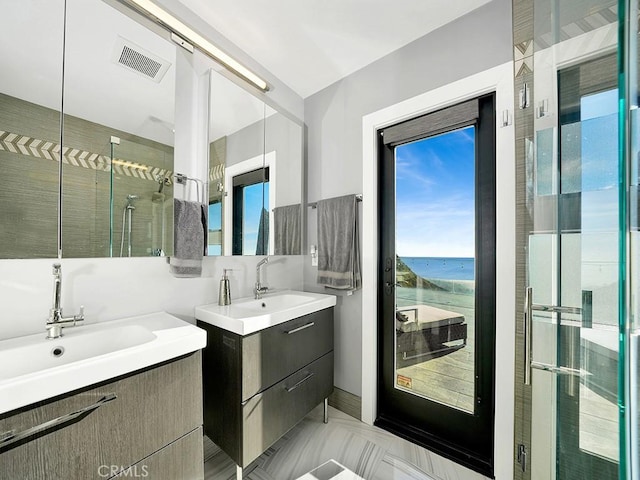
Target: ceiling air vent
(136,59)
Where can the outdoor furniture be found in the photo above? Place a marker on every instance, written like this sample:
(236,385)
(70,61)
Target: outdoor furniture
(423,330)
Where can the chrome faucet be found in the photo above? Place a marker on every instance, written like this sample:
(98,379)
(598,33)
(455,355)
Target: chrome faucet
(259,289)
(56,321)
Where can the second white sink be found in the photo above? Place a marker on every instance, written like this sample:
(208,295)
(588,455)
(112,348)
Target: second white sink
(247,315)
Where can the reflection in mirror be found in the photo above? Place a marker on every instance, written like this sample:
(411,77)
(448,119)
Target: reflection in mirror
(236,133)
(119,91)
(283,191)
(141,210)
(31,47)
(255,167)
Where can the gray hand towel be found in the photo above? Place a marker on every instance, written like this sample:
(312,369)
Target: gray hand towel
(287,230)
(189,238)
(338,243)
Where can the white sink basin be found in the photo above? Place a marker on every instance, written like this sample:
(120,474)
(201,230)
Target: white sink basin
(247,315)
(33,368)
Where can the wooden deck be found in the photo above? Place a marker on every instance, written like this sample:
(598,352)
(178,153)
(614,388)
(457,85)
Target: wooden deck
(447,378)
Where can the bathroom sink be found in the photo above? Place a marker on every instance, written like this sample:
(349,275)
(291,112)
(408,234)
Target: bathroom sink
(44,354)
(247,315)
(34,368)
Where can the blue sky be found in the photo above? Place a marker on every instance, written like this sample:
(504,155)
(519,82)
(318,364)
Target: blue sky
(435,196)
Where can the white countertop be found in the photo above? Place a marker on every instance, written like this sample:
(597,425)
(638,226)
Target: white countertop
(248,315)
(30,371)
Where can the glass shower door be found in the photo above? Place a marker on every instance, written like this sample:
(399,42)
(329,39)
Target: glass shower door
(141,192)
(571,306)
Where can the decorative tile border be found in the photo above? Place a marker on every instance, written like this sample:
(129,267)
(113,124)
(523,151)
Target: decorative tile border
(36,148)
(216,173)
(45,150)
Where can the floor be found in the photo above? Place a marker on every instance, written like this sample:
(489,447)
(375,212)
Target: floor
(371,453)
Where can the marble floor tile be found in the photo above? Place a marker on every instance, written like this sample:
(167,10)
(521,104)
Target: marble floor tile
(369,452)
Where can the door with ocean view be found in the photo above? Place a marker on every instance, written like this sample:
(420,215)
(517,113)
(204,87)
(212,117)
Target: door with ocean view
(437,281)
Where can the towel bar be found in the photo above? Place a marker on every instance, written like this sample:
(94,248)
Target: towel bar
(315,204)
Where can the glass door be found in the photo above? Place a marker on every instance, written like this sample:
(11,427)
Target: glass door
(437,316)
(571,301)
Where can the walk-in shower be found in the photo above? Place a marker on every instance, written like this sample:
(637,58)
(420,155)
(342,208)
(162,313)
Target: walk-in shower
(140,199)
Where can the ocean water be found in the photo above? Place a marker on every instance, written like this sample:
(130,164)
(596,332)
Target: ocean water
(442,268)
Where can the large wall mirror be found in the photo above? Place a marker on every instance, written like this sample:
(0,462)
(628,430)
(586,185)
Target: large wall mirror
(119,90)
(255,174)
(31,46)
(112,74)
(116,174)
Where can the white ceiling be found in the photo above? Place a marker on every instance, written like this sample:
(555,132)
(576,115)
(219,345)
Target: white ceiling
(96,87)
(310,44)
(307,44)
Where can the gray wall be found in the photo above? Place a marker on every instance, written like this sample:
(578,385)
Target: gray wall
(471,44)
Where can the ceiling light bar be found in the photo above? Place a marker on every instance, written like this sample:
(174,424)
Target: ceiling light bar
(202,43)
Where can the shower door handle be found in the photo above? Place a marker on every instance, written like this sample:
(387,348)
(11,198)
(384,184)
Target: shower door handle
(528,310)
(529,364)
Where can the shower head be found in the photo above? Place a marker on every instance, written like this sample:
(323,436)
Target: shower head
(162,181)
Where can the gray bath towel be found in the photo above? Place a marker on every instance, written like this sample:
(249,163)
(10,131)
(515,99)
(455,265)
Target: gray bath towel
(287,230)
(189,238)
(338,243)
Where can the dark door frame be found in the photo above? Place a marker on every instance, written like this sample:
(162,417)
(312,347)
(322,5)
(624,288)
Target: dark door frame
(464,438)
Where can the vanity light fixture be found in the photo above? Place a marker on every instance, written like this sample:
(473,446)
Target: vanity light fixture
(179,28)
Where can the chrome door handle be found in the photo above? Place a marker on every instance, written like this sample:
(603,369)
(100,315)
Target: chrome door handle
(528,294)
(9,438)
(560,370)
(556,309)
(529,307)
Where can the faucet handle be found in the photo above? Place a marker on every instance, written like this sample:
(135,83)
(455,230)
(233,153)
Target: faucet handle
(80,316)
(56,268)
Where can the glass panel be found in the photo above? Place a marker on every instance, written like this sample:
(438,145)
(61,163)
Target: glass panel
(31,41)
(631,376)
(111,90)
(142,202)
(572,200)
(599,263)
(587,418)
(236,147)
(435,270)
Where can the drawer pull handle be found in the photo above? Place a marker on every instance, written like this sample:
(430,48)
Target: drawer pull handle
(310,324)
(9,438)
(291,389)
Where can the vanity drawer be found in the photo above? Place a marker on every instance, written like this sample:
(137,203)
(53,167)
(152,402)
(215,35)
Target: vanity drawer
(119,423)
(272,354)
(181,459)
(270,414)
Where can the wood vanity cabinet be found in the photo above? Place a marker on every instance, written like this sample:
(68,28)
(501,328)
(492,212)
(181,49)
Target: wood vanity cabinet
(256,387)
(145,425)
